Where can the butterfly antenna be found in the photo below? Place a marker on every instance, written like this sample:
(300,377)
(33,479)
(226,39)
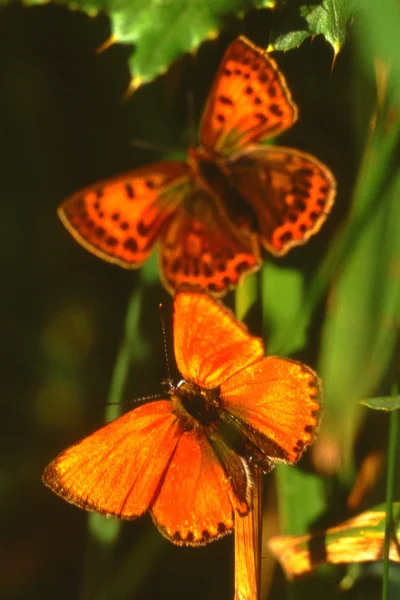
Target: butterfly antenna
(158,396)
(169,377)
(161,148)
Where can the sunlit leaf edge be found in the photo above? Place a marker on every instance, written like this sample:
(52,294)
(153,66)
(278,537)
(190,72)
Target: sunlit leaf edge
(161,30)
(358,539)
(386,403)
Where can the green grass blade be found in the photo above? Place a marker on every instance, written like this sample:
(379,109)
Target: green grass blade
(392,447)
(360,328)
(103,533)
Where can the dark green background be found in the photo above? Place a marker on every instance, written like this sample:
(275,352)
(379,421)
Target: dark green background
(63,125)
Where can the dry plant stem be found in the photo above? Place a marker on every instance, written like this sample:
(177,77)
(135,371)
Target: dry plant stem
(248,546)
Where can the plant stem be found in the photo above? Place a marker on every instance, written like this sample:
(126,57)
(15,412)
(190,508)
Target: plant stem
(103,533)
(248,545)
(393,438)
(248,528)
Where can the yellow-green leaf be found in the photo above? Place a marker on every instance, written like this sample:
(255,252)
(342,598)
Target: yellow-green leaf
(301,20)
(386,403)
(357,540)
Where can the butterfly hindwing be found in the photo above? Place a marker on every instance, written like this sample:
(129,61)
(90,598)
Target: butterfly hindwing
(279,399)
(291,193)
(120,219)
(201,247)
(117,470)
(196,501)
(249,100)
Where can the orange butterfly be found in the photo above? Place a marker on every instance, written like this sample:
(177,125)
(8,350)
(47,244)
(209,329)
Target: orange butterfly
(210,213)
(187,458)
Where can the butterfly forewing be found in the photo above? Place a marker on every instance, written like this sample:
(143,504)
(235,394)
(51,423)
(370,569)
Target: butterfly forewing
(249,100)
(279,399)
(201,247)
(117,470)
(120,219)
(214,346)
(290,191)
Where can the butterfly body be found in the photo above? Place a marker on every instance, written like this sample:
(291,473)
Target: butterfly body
(196,407)
(212,213)
(215,175)
(188,458)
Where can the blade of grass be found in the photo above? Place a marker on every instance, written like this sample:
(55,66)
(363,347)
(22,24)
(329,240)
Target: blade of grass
(301,497)
(392,447)
(103,533)
(360,329)
(370,186)
(134,568)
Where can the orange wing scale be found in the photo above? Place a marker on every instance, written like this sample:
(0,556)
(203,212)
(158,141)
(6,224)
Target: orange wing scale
(278,398)
(290,191)
(209,344)
(120,219)
(249,100)
(201,247)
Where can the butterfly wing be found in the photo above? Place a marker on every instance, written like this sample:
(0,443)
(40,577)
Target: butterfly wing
(209,344)
(120,219)
(200,246)
(291,193)
(276,401)
(117,470)
(196,501)
(145,459)
(249,100)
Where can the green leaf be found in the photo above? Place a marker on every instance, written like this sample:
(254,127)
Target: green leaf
(361,326)
(246,296)
(386,403)
(301,20)
(301,498)
(283,298)
(162,30)
(357,540)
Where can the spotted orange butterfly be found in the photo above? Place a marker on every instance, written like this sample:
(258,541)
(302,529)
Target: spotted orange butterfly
(210,213)
(187,458)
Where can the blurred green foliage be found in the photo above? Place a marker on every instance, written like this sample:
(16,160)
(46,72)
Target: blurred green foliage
(333,303)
